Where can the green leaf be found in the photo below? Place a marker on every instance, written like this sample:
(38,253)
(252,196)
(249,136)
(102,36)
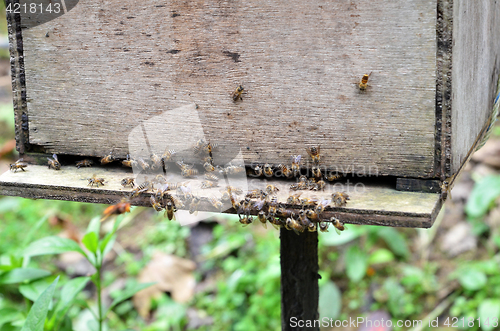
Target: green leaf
(8,315)
(331,238)
(330,301)
(472,279)
(357,263)
(381,255)
(482,196)
(29,236)
(68,293)
(20,275)
(489,309)
(94,226)
(128,293)
(91,241)
(107,244)
(52,245)
(33,290)
(395,241)
(38,312)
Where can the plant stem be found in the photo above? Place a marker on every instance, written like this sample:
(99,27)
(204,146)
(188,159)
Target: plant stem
(99,300)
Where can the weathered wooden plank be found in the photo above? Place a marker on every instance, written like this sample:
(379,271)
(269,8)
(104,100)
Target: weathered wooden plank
(476,68)
(375,204)
(106,67)
(418,185)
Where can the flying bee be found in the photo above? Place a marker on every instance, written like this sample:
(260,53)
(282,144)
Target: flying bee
(261,216)
(95,181)
(257,171)
(216,203)
(296,164)
(107,159)
(211,177)
(84,163)
(128,181)
(170,209)
(268,170)
(237,93)
(19,164)
(189,172)
(339,199)
(208,167)
(208,184)
(246,220)
(167,155)
(293,199)
(314,153)
(339,226)
(193,206)
(363,84)
(323,226)
(54,163)
(128,162)
(155,204)
(156,160)
(143,164)
(271,189)
(286,171)
(316,171)
(120,208)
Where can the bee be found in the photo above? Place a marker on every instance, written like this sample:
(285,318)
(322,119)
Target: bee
(283,212)
(143,164)
(209,148)
(208,167)
(177,203)
(271,189)
(208,159)
(234,190)
(128,162)
(445,189)
(160,179)
(293,199)
(363,84)
(120,208)
(54,162)
(95,181)
(296,164)
(167,155)
(170,210)
(303,218)
(155,204)
(286,171)
(128,181)
(312,227)
(156,160)
(233,170)
(301,185)
(276,222)
(189,172)
(271,211)
(245,206)
(107,159)
(254,194)
(246,220)
(185,192)
(261,216)
(237,93)
(312,215)
(318,186)
(330,176)
(208,184)
(193,207)
(323,226)
(320,207)
(314,153)
(339,199)
(339,226)
(216,203)
(259,204)
(19,164)
(199,146)
(257,171)
(308,202)
(84,163)
(316,172)
(212,177)
(144,187)
(268,170)
(295,225)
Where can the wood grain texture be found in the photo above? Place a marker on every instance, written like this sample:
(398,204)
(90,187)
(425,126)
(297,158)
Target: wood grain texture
(108,66)
(374,204)
(476,66)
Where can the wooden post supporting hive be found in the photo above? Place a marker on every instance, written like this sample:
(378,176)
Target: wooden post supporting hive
(125,77)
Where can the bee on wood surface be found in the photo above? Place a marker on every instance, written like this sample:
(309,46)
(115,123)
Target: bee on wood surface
(19,164)
(143,164)
(128,162)
(193,206)
(155,204)
(170,210)
(296,164)
(128,181)
(189,173)
(312,215)
(302,184)
(84,163)
(363,84)
(271,189)
(95,181)
(273,205)
(276,222)
(208,167)
(208,184)
(316,172)
(331,176)
(445,189)
(245,206)
(339,199)
(314,153)
(246,220)
(54,162)
(235,190)
(237,93)
(293,199)
(167,155)
(308,202)
(288,172)
(208,159)
(312,227)
(120,208)
(216,203)
(177,202)
(320,207)
(318,186)
(144,187)
(212,177)
(303,218)
(254,194)
(199,146)
(259,204)
(268,170)
(261,216)
(295,225)
(323,226)
(234,169)
(107,159)
(339,226)
(284,213)
(257,171)
(184,192)
(156,161)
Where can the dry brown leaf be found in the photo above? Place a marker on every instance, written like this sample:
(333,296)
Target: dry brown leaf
(171,274)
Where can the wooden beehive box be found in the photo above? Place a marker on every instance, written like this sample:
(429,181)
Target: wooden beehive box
(119,75)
